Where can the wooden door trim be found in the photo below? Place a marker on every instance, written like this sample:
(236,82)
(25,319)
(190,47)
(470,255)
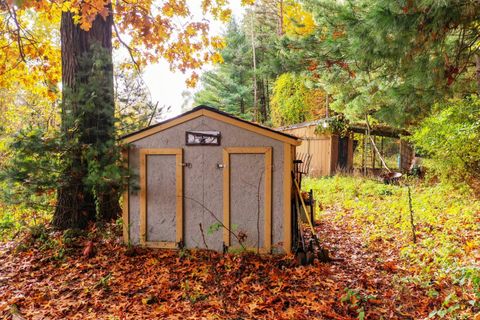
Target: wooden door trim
(178,153)
(126,203)
(267,152)
(288,156)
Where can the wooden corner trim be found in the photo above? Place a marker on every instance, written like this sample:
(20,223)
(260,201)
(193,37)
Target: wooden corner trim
(226,197)
(288,152)
(126,203)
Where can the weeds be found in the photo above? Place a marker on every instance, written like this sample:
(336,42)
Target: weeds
(446,226)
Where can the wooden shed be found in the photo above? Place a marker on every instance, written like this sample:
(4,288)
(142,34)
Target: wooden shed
(204,169)
(332,153)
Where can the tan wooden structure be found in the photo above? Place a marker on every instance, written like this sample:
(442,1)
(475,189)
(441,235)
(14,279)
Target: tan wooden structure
(244,182)
(331,153)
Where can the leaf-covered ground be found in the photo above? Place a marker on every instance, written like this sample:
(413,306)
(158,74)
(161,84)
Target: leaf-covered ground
(377,271)
(445,259)
(50,278)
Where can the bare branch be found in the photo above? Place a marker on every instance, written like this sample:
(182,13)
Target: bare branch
(130,50)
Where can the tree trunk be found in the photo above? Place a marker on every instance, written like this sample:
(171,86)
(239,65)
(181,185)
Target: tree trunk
(263,101)
(87,120)
(254,64)
(280,18)
(242,106)
(477,60)
(267,100)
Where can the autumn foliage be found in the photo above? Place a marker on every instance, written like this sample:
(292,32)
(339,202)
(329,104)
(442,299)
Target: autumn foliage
(73,280)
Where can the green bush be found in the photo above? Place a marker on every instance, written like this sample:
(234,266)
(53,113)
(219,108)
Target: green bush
(450,139)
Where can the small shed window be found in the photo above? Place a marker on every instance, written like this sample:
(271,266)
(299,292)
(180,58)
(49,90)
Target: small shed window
(202,138)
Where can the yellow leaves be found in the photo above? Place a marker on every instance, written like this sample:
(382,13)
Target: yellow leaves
(192,81)
(470,245)
(296,21)
(247,2)
(225,15)
(175,8)
(216,58)
(30,89)
(190,30)
(66,6)
(153,30)
(168,10)
(217,43)
(217,9)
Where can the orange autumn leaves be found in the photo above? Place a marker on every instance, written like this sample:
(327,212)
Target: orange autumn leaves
(153,30)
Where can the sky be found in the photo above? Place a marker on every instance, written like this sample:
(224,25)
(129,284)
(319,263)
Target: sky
(166,86)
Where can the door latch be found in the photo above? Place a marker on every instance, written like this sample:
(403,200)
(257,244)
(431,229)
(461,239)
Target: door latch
(220,165)
(186,164)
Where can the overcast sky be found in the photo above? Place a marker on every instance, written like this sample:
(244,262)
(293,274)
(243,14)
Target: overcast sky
(165,86)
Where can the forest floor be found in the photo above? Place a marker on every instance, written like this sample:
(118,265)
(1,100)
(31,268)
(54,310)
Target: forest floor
(377,271)
(39,281)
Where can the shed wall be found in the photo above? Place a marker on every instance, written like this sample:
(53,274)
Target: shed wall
(324,160)
(203,182)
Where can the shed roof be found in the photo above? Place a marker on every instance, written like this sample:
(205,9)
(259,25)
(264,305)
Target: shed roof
(214,114)
(376,130)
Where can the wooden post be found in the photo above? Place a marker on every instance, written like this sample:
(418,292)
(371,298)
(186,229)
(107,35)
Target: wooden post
(373,153)
(364,152)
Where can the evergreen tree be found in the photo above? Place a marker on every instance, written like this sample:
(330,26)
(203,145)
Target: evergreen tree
(393,59)
(228,86)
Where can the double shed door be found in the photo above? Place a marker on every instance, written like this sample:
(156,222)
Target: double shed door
(177,197)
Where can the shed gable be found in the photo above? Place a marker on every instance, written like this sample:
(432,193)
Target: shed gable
(213,114)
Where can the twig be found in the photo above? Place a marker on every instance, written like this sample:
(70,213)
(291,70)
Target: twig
(203,235)
(153,114)
(218,221)
(129,49)
(13,14)
(258,206)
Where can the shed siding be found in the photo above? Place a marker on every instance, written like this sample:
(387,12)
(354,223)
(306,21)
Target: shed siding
(205,184)
(248,175)
(324,160)
(161,199)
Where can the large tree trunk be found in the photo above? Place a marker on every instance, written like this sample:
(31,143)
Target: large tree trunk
(87,120)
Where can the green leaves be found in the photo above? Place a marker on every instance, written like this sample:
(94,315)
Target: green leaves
(294,102)
(450,138)
(395,59)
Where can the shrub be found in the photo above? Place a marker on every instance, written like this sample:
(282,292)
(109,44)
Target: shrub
(450,139)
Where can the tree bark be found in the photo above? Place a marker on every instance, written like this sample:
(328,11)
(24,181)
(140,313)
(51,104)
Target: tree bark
(477,61)
(254,63)
(280,18)
(87,119)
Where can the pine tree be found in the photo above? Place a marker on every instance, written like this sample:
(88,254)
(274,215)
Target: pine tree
(228,86)
(393,59)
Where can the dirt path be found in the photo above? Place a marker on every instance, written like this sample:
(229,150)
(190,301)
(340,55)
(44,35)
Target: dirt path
(372,271)
(117,283)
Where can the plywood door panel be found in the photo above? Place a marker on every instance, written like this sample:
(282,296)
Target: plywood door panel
(161,192)
(247,197)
